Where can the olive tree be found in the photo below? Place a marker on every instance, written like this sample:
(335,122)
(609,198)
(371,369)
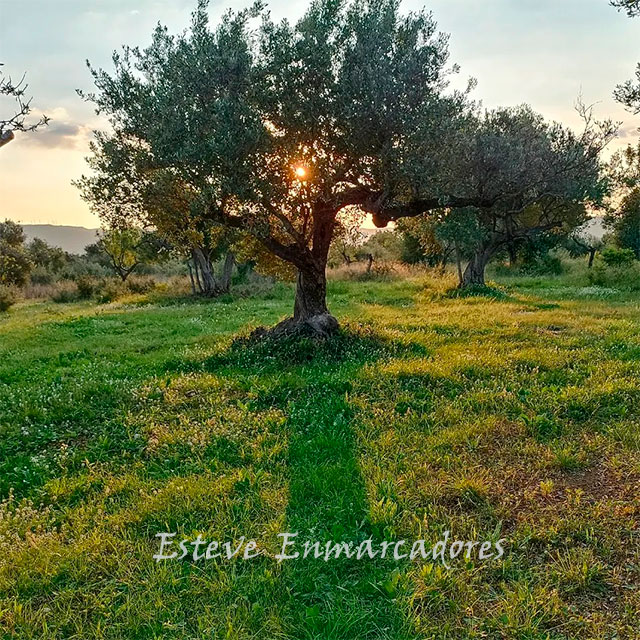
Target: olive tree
(522,177)
(276,128)
(15,265)
(273,129)
(629,93)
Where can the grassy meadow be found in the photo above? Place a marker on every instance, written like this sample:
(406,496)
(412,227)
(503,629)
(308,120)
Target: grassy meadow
(514,415)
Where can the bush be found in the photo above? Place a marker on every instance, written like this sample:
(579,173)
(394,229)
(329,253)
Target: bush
(613,257)
(42,275)
(65,291)
(625,276)
(88,286)
(543,265)
(140,284)
(110,291)
(8,297)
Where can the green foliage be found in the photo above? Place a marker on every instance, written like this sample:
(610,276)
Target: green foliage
(616,269)
(613,257)
(626,223)
(65,291)
(632,7)
(11,234)
(542,265)
(88,287)
(629,92)
(15,265)
(110,290)
(46,257)
(8,297)
(383,246)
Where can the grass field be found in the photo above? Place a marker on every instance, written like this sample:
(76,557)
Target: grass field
(511,416)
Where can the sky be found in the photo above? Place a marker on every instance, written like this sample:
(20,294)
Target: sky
(542,52)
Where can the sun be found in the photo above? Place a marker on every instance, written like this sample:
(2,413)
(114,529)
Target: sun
(301,172)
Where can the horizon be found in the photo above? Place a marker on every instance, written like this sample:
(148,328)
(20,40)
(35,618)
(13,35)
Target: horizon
(584,47)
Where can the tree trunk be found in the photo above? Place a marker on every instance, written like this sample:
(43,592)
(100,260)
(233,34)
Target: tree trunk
(227,272)
(473,275)
(513,254)
(193,282)
(311,295)
(458,264)
(369,262)
(203,263)
(311,318)
(592,255)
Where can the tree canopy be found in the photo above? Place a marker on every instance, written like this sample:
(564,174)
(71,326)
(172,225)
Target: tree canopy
(629,93)
(632,7)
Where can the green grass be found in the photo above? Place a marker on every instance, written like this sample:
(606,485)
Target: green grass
(514,415)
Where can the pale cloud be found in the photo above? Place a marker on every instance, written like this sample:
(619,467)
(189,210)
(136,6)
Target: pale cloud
(62,132)
(629,132)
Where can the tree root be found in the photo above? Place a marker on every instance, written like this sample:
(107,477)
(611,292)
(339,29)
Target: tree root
(318,327)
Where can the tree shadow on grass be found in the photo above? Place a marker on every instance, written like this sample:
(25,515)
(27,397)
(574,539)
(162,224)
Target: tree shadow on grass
(340,598)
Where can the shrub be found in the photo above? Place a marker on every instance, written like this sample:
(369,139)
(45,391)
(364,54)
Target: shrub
(614,257)
(140,284)
(42,275)
(7,297)
(110,290)
(88,286)
(624,277)
(543,265)
(65,291)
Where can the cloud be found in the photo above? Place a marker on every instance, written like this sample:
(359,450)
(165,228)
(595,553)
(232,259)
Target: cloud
(629,130)
(59,135)
(61,132)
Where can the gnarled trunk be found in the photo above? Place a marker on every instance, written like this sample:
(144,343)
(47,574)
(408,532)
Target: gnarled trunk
(311,295)
(204,268)
(205,278)
(311,317)
(473,275)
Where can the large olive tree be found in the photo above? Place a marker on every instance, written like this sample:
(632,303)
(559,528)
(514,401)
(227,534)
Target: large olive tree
(275,128)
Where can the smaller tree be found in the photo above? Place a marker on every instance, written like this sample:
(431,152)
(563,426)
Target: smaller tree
(43,255)
(347,236)
(625,223)
(384,246)
(580,243)
(421,243)
(15,265)
(127,249)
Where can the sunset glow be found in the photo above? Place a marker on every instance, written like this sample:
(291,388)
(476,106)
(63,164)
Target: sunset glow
(301,172)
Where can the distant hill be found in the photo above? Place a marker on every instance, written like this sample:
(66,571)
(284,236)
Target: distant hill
(71,239)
